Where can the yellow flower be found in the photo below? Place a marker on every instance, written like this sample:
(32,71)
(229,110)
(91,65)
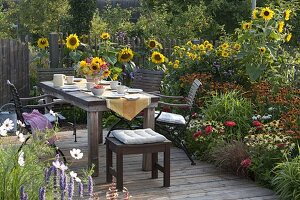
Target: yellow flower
(267,13)
(95,67)
(225,45)
(43,43)
(225,54)
(175,66)
(157,57)
(194,47)
(209,46)
(106,73)
(115,77)
(262,50)
(177,62)
(83,63)
(125,55)
(86,70)
(189,43)
(201,47)
(152,44)
(105,36)
(170,63)
(97,60)
(254,14)
(280,26)
(236,46)
(247,25)
(206,42)
(288,37)
(72,41)
(287,14)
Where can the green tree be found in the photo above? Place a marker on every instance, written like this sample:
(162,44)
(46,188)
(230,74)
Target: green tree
(81,13)
(40,17)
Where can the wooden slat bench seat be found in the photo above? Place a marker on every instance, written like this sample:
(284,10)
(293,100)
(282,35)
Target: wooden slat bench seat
(120,149)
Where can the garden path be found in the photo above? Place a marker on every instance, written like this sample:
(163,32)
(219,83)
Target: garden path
(202,181)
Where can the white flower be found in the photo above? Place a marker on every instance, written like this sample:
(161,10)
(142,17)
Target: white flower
(266,117)
(20,136)
(254,118)
(258,116)
(271,109)
(21,160)
(52,113)
(56,164)
(21,124)
(8,124)
(63,167)
(76,153)
(59,165)
(73,174)
(3,131)
(78,180)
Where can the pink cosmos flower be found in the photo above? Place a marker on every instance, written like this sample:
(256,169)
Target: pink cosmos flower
(230,123)
(246,163)
(197,134)
(257,123)
(208,129)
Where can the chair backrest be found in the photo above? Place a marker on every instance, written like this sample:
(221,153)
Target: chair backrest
(46,74)
(16,100)
(192,93)
(147,80)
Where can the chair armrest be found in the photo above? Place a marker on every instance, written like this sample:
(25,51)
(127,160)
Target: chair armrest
(36,98)
(42,105)
(172,97)
(174,105)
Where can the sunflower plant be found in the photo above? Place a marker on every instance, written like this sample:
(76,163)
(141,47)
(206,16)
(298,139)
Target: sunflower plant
(262,40)
(41,56)
(156,60)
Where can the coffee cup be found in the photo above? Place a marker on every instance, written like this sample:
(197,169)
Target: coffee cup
(89,85)
(58,80)
(70,79)
(114,84)
(121,89)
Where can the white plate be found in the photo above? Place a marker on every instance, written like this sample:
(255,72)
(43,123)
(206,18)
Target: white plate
(131,98)
(70,87)
(104,82)
(78,79)
(114,96)
(133,90)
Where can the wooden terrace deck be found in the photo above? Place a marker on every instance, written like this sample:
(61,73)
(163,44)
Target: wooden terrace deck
(202,181)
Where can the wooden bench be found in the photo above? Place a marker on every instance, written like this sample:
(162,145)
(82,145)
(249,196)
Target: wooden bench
(120,149)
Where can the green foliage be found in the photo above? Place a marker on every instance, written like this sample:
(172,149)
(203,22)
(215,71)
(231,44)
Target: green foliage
(6,28)
(98,25)
(287,179)
(230,107)
(81,13)
(40,17)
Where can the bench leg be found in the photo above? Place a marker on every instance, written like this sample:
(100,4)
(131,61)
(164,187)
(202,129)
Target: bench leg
(154,167)
(108,164)
(167,166)
(119,168)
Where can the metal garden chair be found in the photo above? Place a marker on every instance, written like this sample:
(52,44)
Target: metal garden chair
(21,108)
(173,125)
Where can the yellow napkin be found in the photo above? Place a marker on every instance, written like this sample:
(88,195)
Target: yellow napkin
(128,108)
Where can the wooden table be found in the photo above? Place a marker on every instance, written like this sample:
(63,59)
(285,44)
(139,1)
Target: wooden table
(94,107)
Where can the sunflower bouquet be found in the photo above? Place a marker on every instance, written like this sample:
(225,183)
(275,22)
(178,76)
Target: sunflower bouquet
(93,67)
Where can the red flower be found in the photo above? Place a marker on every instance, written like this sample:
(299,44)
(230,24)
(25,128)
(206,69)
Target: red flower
(230,123)
(208,129)
(197,134)
(257,123)
(280,145)
(246,163)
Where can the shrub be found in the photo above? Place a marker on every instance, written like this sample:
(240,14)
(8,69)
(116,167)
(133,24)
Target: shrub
(287,179)
(230,107)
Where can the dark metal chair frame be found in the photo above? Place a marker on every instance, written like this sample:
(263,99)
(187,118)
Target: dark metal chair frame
(20,108)
(186,105)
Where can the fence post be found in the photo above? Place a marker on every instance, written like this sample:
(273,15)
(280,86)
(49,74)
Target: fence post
(53,50)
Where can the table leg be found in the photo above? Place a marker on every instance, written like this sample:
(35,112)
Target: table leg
(93,134)
(149,114)
(100,131)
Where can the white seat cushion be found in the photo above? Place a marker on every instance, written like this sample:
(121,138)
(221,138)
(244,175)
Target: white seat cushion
(170,118)
(139,136)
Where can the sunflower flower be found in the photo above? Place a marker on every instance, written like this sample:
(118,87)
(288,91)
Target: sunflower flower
(43,43)
(267,13)
(72,41)
(106,73)
(95,67)
(209,46)
(254,14)
(288,37)
(125,55)
(246,25)
(201,47)
(225,54)
(105,36)
(280,26)
(236,46)
(287,14)
(224,46)
(262,50)
(157,57)
(83,63)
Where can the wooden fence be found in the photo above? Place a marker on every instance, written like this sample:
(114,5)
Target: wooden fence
(14,65)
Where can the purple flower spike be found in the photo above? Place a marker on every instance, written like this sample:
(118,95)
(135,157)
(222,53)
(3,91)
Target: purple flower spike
(80,189)
(22,193)
(42,194)
(25,196)
(71,188)
(90,186)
